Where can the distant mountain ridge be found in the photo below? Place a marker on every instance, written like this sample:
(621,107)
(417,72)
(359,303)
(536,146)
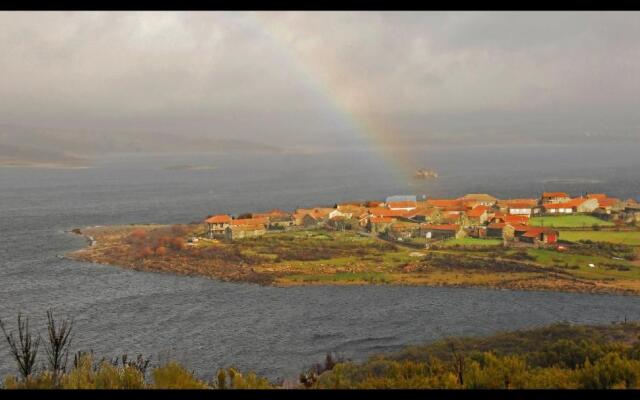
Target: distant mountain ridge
(20,144)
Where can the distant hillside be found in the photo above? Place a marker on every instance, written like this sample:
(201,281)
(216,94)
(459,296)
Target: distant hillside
(34,156)
(29,145)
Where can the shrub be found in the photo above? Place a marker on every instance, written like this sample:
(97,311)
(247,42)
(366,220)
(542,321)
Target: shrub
(146,252)
(174,376)
(178,243)
(138,235)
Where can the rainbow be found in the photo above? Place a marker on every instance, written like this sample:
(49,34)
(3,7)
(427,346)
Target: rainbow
(373,130)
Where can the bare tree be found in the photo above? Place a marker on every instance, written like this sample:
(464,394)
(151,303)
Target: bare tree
(25,349)
(59,342)
(140,363)
(458,362)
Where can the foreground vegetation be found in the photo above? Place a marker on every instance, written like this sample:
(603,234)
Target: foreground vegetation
(556,356)
(319,256)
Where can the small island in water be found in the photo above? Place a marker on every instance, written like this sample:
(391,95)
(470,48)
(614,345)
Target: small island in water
(589,243)
(425,174)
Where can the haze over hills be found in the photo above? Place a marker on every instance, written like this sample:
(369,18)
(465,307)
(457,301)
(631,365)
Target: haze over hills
(21,145)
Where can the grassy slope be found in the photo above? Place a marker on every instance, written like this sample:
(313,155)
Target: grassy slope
(328,257)
(569,221)
(631,238)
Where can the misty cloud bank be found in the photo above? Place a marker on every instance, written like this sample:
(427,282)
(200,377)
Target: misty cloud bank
(301,79)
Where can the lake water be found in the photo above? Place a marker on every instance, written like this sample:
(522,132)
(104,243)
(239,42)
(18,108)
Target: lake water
(274,331)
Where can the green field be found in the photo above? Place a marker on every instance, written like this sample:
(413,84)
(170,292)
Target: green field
(629,238)
(605,267)
(469,241)
(569,221)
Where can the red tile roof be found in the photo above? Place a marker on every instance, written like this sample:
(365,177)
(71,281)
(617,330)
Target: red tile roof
(402,204)
(517,219)
(445,203)
(496,225)
(534,232)
(477,211)
(513,203)
(567,204)
(385,212)
(317,213)
(249,221)
(520,227)
(218,219)
(425,211)
(554,194)
(607,201)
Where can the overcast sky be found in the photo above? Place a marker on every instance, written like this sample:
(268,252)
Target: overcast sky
(302,77)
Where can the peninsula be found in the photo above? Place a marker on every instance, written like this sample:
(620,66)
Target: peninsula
(588,243)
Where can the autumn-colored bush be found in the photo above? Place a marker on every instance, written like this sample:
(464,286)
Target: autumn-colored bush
(178,243)
(138,234)
(146,252)
(162,241)
(161,251)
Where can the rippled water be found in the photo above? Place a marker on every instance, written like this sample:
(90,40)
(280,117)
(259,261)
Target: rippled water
(274,331)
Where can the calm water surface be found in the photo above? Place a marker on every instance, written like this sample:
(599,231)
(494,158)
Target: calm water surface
(273,331)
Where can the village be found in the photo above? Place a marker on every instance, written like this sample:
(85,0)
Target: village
(406,219)
(558,242)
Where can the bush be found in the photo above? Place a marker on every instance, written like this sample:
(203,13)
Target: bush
(174,376)
(178,243)
(146,252)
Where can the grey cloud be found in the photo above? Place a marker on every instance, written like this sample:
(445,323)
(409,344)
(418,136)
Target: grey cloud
(292,77)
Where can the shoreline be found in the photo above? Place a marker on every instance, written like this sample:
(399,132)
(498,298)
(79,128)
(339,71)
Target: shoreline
(101,239)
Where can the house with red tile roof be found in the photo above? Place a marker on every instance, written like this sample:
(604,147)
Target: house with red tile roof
(427,214)
(554,197)
(447,204)
(385,212)
(606,205)
(319,214)
(500,230)
(245,230)
(517,219)
(403,230)
(577,205)
(481,198)
(276,218)
(539,235)
(441,231)
(478,215)
(511,219)
(402,205)
(216,225)
(379,224)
